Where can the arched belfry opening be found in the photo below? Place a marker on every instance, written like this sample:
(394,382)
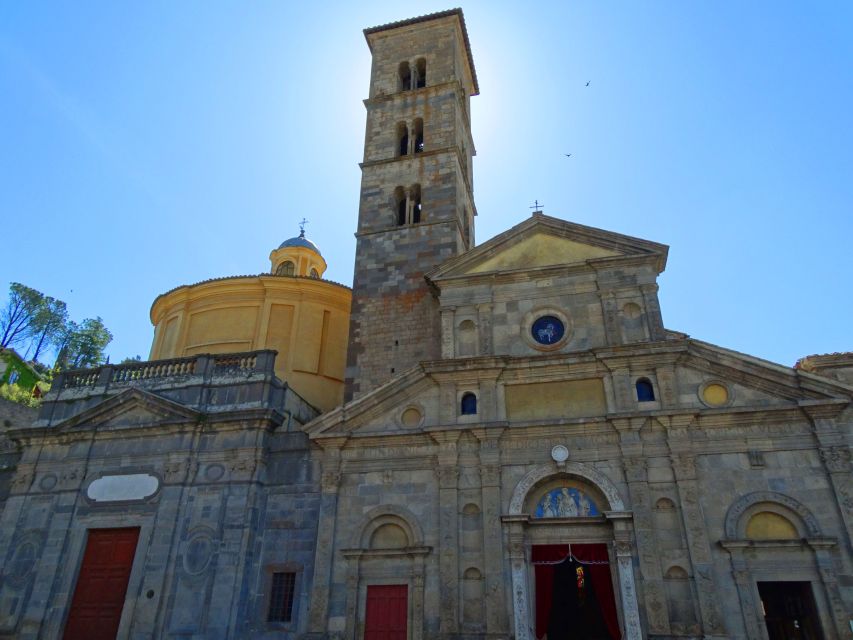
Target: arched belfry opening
(571,555)
(402,139)
(420,73)
(405,76)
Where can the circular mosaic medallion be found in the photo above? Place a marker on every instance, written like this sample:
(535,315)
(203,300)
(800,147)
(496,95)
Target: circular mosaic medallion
(548,330)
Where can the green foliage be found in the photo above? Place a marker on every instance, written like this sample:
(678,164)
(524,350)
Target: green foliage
(83,344)
(131,360)
(36,324)
(14,393)
(16,318)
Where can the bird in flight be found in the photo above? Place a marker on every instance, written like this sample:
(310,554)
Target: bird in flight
(587,83)
(568,155)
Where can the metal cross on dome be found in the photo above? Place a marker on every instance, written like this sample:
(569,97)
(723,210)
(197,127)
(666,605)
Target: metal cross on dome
(536,206)
(302,224)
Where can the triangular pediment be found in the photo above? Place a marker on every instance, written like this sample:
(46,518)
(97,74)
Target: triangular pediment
(540,249)
(129,409)
(752,382)
(542,242)
(392,408)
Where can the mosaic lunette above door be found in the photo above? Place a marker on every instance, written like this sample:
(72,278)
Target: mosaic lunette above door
(565,502)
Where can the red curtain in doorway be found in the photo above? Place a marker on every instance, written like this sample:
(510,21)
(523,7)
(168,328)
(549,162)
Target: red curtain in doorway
(545,557)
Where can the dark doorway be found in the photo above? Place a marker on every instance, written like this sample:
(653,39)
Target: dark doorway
(574,593)
(789,610)
(102,584)
(386,612)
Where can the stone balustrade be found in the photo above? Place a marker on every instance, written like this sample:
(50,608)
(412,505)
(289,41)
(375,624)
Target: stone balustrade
(157,371)
(206,382)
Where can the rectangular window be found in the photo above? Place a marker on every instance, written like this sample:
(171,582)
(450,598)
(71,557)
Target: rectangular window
(281,597)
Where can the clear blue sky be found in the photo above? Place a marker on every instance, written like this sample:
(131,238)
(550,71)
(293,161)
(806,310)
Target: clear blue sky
(144,145)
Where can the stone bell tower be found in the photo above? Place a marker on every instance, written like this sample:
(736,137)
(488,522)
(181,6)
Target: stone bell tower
(416,206)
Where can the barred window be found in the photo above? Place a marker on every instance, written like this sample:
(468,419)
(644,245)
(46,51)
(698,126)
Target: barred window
(281,597)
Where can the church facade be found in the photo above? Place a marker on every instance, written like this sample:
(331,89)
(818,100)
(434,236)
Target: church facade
(518,448)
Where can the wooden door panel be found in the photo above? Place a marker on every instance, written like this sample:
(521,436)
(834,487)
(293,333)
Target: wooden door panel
(102,584)
(386,612)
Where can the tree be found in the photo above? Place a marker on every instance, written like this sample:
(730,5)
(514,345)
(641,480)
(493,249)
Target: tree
(47,325)
(82,345)
(17,316)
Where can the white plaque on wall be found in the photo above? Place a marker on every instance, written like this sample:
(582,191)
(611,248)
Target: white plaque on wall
(134,486)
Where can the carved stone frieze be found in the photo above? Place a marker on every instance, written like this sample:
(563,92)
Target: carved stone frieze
(490,475)
(330,480)
(448,477)
(635,469)
(684,466)
(836,459)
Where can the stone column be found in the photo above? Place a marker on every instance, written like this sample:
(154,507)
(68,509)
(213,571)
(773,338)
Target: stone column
(493,556)
(684,466)
(448,527)
(518,567)
(324,553)
(627,588)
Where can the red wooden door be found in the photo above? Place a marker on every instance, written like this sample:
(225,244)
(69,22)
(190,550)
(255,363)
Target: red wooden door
(387,612)
(102,584)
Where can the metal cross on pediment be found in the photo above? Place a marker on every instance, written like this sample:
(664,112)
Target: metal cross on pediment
(302,224)
(536,206)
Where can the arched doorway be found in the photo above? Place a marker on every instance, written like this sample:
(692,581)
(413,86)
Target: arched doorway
(571,515)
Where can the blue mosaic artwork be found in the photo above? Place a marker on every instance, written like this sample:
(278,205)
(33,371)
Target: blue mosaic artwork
(566,502)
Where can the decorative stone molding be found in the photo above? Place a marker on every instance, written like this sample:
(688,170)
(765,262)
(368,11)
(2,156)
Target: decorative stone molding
(836,459)
(737,509)
(378,516)
(534,477)
(624,552)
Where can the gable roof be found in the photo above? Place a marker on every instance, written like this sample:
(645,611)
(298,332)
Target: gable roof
(543,241)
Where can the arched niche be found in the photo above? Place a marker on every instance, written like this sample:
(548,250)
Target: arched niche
(379,517)
(537,476)
(743,509)
(388,541)
(774,538)
(520,515)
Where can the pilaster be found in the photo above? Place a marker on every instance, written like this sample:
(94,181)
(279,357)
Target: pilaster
(324,554)
(490,478)
(448,526)
(684,466)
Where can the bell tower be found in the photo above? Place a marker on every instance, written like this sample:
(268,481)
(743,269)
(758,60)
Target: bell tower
(416,206)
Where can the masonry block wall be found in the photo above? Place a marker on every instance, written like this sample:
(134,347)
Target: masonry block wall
(416,206)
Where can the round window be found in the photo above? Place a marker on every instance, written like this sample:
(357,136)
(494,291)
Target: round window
(548,330)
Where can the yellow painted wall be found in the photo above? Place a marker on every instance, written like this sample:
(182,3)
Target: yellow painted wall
(767,525)
(305,319)
(541,250)
(548,400)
